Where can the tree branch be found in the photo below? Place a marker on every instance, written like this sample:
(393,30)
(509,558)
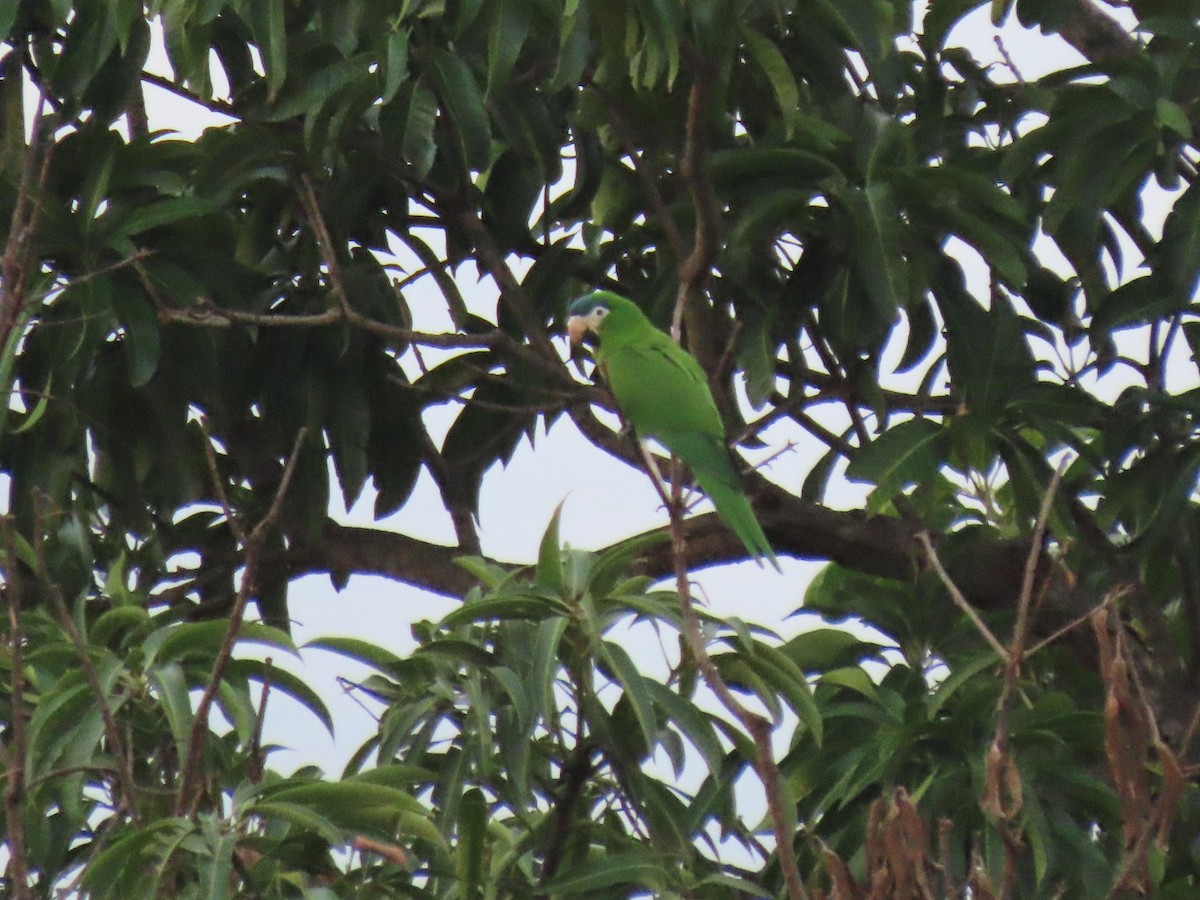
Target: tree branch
(1096,34)
(695,270)
(189,794)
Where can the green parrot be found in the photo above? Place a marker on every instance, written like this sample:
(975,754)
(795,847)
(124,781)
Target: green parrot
(663,394)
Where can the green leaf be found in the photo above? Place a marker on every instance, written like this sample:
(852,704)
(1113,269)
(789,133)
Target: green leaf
(351,801)
(34,415)
(573,48)
(505,39)
(550,573)
(544,666)
(908,453)
(468,653)
(300,816)
(463,102)
(284,682)
(266,19)
(348,427)
(779,75)
(657,53)
(408,123)
(870,25)
(1176,258)
(395,65)
(987,350)
(880,258)
(217,868)
(636,690)
(757,359)
(940,18)
(468,856)
(125,859)
(640,868)
(695,724)
(513,606)
(319,87)
(756,169)
(171,686)
(456,305)
(8,15)
(789,680)
(142,341)
(122,223)
(824,648)
(202,640)
(359,650)
(615,563)
(117,623)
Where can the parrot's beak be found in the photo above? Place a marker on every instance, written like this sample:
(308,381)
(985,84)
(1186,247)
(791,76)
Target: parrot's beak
(577,327)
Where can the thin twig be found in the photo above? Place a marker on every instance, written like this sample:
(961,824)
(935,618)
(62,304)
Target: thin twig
(1025,600)
(254,767)
(188,797)
(204,314)
(1008,60)
(1002,792)
(957,596)
(211,104)
(1111,597)
(26,216)
(657,202)
(112,734)
(312,210)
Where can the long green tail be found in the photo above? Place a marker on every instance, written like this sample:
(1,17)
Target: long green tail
(712,465)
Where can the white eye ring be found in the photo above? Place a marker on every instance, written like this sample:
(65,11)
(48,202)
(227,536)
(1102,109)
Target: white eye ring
(600,312)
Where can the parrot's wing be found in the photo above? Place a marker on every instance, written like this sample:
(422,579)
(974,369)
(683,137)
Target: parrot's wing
(660,387)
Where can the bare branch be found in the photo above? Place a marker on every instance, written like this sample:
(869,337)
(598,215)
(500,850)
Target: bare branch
(26,215)
(209,103)
(312,210)
(959,600)
(1096,34)
(189,795)
(695,270)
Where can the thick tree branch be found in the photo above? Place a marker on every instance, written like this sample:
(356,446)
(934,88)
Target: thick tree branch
(1096,34)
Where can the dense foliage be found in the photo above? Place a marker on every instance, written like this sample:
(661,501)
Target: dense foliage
(974,289)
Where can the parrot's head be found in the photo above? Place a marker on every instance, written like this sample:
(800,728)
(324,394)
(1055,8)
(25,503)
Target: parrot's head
(587,313)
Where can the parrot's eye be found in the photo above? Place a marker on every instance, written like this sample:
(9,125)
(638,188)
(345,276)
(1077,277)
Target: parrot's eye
(600,312)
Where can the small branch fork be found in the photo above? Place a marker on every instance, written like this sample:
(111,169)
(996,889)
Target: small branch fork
(189,795)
